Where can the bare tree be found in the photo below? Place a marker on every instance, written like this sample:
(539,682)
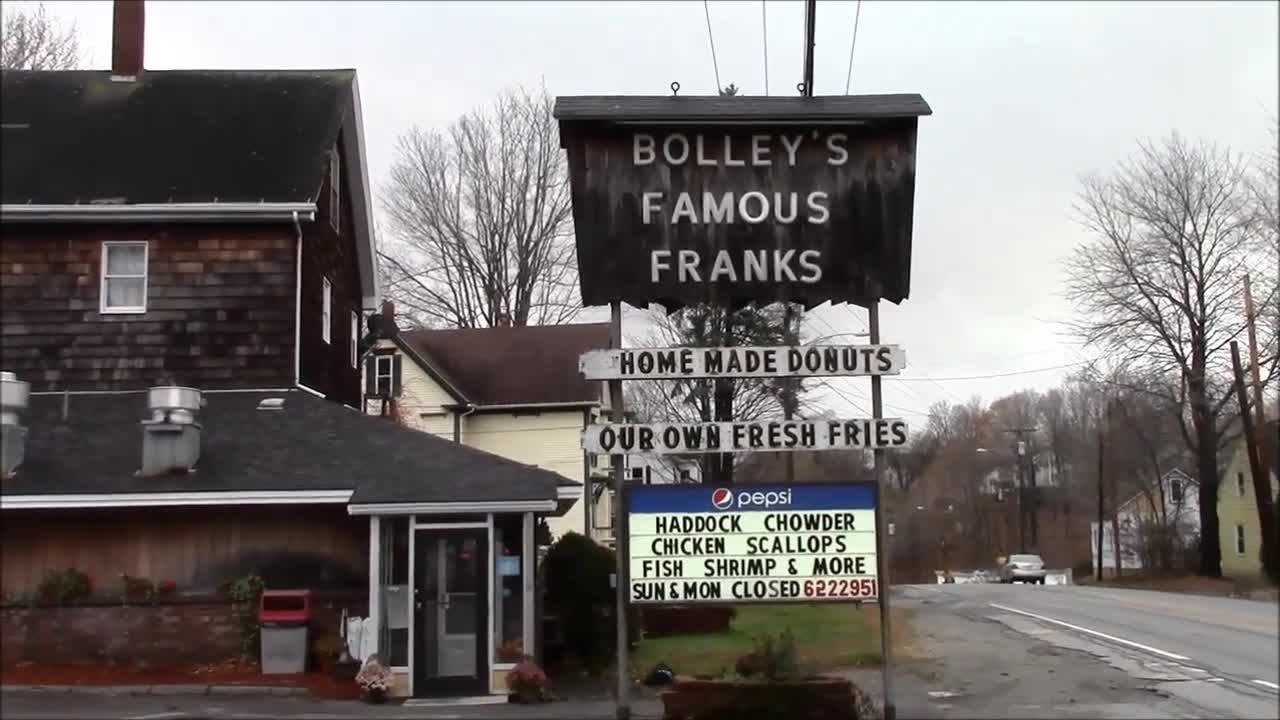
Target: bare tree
(32,40)
(1157,288)
(480,218)
(713,399)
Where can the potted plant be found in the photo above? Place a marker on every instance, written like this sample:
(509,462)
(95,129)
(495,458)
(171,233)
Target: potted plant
(768,683)
(527,682)
(374,680)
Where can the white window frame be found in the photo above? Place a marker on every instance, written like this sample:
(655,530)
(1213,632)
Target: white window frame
(1240,546)
(390,375)
(335,190)
(326,312)
(103,278)
(355,339)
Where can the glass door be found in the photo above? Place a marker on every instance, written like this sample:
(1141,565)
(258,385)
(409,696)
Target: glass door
(451,612)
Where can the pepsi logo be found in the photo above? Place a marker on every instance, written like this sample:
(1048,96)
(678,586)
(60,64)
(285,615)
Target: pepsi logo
(721,499)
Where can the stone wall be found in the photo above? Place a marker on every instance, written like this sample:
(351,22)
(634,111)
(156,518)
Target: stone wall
(178,632)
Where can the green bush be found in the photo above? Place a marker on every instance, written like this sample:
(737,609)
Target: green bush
(243,593)
(576,576)
(63,586)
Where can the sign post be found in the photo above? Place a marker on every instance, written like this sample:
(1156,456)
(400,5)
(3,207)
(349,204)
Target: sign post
(886,624)
(623,705)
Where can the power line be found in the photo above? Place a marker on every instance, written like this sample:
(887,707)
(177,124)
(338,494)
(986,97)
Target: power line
(706,6)
(994,375)
(764,23)
(848,76)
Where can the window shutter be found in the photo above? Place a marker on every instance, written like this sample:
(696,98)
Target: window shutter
(371,375)
(395,376)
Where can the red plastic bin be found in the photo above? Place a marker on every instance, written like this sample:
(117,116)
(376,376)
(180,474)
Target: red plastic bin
(284,607)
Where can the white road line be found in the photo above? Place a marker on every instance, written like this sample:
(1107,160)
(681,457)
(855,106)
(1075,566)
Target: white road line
(1267,684)
(1215,680)
(159,716)
(1112,638)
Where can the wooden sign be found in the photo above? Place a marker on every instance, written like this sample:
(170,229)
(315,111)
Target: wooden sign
(742,199)
(742,362)
(759,436)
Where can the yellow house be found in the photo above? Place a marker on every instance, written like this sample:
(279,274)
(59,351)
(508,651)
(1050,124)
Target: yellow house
(1238,528)
(511,391)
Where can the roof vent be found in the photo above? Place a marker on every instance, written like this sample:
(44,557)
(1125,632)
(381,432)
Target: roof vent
(171,437)
(271,404)
(13,403)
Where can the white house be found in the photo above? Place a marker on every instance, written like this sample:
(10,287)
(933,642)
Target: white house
(511,391)
(1179,495)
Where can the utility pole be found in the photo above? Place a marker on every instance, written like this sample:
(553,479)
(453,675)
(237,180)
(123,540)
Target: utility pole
(1019,454)
(1102,434)
(1259,408)
(789,384)
(810,21)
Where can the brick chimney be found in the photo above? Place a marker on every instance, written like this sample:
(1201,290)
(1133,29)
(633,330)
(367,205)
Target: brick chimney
(389,327)
(127,39)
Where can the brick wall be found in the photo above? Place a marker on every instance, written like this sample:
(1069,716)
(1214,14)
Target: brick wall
(149,635)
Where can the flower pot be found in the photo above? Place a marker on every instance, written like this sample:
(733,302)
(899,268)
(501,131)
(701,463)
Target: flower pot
(376,696)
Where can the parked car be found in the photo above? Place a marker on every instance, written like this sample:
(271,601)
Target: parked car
(1023,568)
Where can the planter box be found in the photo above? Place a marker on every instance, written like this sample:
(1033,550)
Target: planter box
(811,699)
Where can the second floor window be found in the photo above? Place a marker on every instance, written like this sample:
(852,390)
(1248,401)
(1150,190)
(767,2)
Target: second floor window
(124,277)
(1177,492)
(384,373)
(1239,539)
(1240,484)
(326,311)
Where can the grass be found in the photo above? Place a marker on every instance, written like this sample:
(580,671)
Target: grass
(1196,584)
(827,637)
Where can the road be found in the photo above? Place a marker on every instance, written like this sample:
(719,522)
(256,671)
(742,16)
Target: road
(1216,657)
(974,651)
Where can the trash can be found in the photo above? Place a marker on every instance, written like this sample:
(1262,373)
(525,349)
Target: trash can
(283,616)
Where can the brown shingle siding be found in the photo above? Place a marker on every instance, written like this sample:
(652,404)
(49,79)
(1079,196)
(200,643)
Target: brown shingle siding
(219,308)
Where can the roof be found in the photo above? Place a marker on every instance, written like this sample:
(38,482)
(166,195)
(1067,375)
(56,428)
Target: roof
(310,444)
(180,136)
(175,138)
(513,365)
(666,108)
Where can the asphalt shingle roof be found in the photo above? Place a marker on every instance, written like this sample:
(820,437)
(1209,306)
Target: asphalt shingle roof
(663,108)
(514,365)
(181,136)
(310,444)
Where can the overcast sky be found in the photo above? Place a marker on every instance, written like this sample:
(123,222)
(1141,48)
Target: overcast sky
(1027,97)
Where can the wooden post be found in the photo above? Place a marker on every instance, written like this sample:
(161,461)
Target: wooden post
(1261,482)
(882,562)
(623,670)
(789,392)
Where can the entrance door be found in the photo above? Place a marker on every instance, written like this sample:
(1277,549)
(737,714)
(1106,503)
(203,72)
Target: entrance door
(451,612)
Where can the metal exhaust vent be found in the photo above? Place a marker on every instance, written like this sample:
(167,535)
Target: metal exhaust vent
(171,437)
(13,403)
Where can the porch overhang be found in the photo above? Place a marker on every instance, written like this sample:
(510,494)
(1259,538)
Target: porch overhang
(452,508)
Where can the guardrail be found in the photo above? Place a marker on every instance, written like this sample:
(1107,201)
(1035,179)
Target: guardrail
(965,577)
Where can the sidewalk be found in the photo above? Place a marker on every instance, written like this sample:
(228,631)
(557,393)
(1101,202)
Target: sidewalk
(124,703)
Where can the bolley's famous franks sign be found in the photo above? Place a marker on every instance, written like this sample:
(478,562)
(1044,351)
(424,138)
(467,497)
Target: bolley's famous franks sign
(751,543)
(735,200)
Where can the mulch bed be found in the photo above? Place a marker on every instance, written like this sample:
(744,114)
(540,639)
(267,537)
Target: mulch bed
(226,673)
